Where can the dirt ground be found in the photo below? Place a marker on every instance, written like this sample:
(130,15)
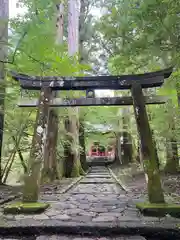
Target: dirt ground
(135,181)
(10,192)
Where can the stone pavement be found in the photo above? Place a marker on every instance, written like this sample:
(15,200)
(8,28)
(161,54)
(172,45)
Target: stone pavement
(96,204)
(57,237)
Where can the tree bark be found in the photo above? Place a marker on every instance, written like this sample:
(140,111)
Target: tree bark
(172,160)
(71,160)
(37,152)
(4,16)
(127,139)
(118,155)
(178,93)
(82,145)
(50,171)
(127,148)
(73,122)
(155,192)
(155,147)
(68,156)
(82,60)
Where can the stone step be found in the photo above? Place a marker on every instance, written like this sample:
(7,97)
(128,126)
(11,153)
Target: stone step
(122,230)
(98,176)
(98,172)
(100,169)
(96,180)
(55,237)
(71,237)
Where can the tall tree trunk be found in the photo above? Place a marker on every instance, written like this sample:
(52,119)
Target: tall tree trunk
(50,171)
(73,113)
(155,147)
(4,16)
(172,159)
(82,145)
(171,162)
(82,60)
(37,152)
(68,156)
(138,153)
(178,92)
(155,192)
(118,155)
(127,139)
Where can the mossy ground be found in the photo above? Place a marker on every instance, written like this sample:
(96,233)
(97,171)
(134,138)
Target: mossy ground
(25,208)
(159,209)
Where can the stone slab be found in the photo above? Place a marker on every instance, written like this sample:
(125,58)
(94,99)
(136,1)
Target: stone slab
(97,180)
(71,237)
(99,170)
(65,237)
(98,176)
(96,188)
(94,228)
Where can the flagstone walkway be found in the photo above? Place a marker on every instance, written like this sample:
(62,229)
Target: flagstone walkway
(96,205)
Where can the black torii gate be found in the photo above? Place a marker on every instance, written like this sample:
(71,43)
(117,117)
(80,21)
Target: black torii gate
(49,84)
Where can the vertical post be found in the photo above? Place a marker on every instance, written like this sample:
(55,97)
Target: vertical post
(155,192)
(37,153)
(4,15)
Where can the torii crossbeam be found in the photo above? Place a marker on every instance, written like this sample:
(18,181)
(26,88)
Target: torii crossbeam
(146,80)
(108,101)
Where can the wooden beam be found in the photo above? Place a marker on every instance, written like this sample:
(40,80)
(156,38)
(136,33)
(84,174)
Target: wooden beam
(146,80)
(108,101)
(155,192)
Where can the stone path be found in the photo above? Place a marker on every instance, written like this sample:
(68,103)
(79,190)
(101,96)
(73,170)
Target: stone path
(96,205)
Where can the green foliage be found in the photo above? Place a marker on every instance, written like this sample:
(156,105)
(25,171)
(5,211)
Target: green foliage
(33,50)
(142,37)
(130,37)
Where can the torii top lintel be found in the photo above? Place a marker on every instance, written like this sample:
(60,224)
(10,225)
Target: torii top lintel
(147,80)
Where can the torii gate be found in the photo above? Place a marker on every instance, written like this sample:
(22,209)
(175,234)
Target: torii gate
(46,85)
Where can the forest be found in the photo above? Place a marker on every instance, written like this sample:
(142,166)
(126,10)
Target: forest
(116,37)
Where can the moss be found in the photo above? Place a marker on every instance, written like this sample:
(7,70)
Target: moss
(155,191)
(30,189)
(75,171)
(25,208)
(159,210)
(81,171)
